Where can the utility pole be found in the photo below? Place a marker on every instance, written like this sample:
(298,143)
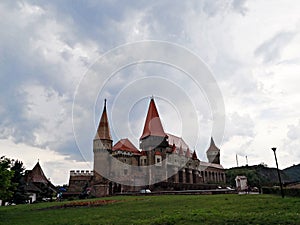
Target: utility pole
(281,189)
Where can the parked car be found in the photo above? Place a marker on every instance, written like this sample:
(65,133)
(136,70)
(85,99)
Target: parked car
(145,191)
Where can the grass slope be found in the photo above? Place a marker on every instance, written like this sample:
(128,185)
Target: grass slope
(163,210)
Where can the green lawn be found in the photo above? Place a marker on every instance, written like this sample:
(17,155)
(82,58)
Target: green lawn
(167,209)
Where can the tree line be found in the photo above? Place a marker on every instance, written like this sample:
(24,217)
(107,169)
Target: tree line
(12,181)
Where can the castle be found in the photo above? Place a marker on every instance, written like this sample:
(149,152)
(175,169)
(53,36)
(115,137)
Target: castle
(165,162)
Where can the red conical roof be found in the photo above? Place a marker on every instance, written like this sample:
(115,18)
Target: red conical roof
(125,145)
(153,125)
(103,131)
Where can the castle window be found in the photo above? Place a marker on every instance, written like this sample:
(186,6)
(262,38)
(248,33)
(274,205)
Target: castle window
(158,160)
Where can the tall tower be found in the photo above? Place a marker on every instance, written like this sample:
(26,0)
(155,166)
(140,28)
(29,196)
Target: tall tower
(153,137)
(213,153)
(102,146)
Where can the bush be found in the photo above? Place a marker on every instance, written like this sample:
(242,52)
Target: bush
(293,192)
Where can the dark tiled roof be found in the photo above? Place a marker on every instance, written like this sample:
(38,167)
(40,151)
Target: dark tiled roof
(212,146)
(36,175)
(194,156)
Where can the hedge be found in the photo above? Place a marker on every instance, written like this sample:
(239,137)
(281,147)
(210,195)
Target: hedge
(276,191)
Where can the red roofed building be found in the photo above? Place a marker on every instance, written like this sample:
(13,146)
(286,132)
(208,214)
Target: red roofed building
(163,159)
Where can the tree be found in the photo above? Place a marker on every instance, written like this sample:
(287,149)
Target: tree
(20,195)
(6,184)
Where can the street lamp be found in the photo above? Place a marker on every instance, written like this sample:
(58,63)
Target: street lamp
(281,189)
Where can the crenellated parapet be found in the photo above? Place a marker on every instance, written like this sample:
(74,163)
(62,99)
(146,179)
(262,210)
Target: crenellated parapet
(81,173)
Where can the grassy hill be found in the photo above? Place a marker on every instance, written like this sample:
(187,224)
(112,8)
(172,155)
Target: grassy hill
(293,173)
(160,210)
(258,175)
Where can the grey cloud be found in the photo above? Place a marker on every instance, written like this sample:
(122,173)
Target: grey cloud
(239,6)
(292,61)
(271,49)
(22,64)
(239,125)
(212,8)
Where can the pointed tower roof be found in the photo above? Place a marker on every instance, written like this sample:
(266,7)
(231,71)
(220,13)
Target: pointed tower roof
(194,156)
(181,153)
(173,148)
(153,125)
(37,175)
(103,131)
(212,146)
(188,153)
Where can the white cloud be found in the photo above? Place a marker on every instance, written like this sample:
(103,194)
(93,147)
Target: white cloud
(252,47)
(55,166)
(294,132)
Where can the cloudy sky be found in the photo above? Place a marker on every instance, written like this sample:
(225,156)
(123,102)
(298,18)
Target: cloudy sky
(50,52)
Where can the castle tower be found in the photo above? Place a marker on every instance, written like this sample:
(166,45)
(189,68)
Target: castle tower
(213,153)
(102,146)
(153,136)
(154,142)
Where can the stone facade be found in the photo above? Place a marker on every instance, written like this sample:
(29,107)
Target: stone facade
(164,160)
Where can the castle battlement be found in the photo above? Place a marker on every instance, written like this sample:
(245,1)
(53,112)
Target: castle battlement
(81,173)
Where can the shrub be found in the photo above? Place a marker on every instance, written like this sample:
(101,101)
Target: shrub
(293,192)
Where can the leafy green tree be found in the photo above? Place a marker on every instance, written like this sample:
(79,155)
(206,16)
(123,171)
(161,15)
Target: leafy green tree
(6,184)
(46,192)
(20,196)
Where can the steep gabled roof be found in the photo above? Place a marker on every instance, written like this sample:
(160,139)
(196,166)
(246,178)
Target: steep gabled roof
(153,125)
(125,145)
(103,131)
(212,146)
(36,175)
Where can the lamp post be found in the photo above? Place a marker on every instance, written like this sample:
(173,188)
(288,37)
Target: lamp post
(281,189)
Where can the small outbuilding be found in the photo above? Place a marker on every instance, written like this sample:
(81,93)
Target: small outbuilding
(241,183)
